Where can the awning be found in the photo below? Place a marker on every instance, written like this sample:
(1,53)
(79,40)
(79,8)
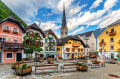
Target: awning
(52,53)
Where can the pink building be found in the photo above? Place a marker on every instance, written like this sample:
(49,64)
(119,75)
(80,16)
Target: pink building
(11,38)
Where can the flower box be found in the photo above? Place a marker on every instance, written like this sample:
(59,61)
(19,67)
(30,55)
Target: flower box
(14,65)
(24,71)
(15,32)
(95,62)
(6,30)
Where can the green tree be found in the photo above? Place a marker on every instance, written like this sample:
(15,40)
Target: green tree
(32,43)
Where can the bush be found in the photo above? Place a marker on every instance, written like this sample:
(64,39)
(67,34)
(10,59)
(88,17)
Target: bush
(118,55)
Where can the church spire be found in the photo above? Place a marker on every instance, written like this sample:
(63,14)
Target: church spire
(64,29)
(64,16)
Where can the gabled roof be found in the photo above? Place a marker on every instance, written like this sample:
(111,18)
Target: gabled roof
(35,27)
(97,32)
(113,24)
(13,20)
(46,32)
(62,41)
(87,34)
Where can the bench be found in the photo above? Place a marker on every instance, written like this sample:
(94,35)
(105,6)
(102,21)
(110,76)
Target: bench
(46,67)
(68,66)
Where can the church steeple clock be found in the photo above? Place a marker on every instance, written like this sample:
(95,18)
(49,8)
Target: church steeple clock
(64,29)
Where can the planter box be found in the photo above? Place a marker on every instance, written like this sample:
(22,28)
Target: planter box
(13,66)
(51,62)
(82,68)
(24,71)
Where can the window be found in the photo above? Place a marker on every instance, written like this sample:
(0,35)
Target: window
(67,49)
(9,55)
(81,50)
(6,27)
(102,40)
(65,32)
(111,47)
(62,33)
(78,49)
(45,40)
(31,32)
(112,30)
(15,40)
(2,39)
(46,48)
(53,41)
(111,39)
(15,29)
(73,49)
(58,49)
(69,42)
(106,32)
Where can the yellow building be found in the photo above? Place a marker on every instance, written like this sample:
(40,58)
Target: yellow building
(70,47)
(109,41)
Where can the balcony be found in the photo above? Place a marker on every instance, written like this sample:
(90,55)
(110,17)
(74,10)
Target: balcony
(102,43)
(76,45)
(6,30)
(51,43)
(118,41)
(7,45)
(112,33)
(118,49)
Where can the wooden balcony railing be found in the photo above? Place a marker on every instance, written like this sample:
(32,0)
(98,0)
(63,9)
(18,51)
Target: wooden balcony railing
(118,49)
(102,43)
(75,45)
(7,45)
(112,33)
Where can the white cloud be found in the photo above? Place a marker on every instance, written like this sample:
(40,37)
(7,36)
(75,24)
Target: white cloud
(77,30)
(49,25)
(109,4)
(110,18)
(96,4)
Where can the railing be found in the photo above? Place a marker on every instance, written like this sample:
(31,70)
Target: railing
(7,45)
(51,43)
(112,33)
(118,49)
(102,43)
(75,45)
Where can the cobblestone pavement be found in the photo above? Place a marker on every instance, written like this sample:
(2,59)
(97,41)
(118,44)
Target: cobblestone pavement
(96,73)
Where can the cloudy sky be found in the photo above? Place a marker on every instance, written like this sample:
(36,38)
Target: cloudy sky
(82,15)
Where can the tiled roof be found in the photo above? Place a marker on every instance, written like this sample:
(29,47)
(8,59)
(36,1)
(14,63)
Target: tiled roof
(87,34)
(36,27)
(62,41)
(46,31)
(115,23)
(97,32)
(13,20)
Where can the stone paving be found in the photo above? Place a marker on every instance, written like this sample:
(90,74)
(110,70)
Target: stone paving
(95,73)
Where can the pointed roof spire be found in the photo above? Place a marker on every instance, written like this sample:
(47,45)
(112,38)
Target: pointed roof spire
(64,16)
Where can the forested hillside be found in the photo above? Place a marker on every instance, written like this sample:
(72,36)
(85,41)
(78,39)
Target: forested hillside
(6,12)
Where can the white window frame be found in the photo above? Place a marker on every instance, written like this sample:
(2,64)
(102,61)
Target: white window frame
(113,46)
(7,53)
(2,39)
(15,39)
(4,27)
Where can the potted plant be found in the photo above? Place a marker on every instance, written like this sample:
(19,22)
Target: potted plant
(30,57)
(82,67)
(14,65)
(95,62)
(23,70)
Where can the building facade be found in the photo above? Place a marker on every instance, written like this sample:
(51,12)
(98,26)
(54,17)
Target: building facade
(11,39)
(50,44)
(89,40)
(109,41)
(70,47)
(64,29)
(35,29)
